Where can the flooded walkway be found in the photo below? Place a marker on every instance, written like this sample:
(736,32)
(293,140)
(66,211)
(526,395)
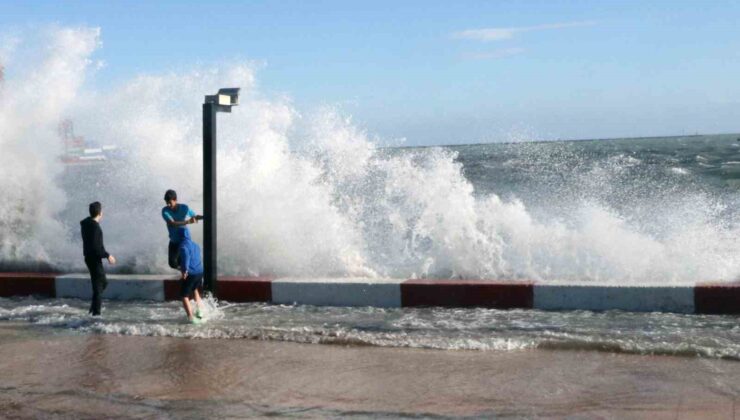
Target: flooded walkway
(92,376)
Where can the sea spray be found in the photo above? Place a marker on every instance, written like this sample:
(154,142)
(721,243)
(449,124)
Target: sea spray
(308,193)
(32,102)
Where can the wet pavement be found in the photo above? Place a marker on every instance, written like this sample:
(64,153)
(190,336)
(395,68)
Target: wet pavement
(46,374)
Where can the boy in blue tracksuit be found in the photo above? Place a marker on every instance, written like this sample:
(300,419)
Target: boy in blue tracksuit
(176,216)
(191,274)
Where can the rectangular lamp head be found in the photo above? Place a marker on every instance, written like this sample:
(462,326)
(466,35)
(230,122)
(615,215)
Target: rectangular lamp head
(224,100)
(231,93)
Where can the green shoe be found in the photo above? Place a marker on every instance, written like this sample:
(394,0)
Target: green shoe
(198,314)
(195,321)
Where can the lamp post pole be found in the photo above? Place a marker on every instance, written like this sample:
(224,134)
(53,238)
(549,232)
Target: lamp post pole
(210,242)
(221,102)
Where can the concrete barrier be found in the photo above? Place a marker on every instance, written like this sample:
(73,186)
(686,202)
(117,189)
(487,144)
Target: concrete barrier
(702,298)
(27,284)
(383,293)
(603,297)
(120,287)
(467,293)
(717,298)
(245,289)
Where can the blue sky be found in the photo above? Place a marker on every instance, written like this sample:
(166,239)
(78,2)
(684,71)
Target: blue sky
(444,72)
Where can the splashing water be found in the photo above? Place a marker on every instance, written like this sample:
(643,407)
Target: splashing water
(28,108)
(311,194)
(432,328)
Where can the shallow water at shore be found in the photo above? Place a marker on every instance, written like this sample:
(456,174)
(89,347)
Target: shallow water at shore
(46,374)
(710,336)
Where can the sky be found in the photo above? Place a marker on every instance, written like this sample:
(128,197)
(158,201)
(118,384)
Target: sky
(442,72)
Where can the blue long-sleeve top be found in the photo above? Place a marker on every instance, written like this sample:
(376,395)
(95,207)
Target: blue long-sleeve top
(180,214)
(190,261)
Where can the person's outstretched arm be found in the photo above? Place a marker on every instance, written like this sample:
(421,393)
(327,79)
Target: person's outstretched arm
(172,222)
(192,215)
(183,223)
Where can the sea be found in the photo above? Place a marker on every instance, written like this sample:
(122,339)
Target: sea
(619,211)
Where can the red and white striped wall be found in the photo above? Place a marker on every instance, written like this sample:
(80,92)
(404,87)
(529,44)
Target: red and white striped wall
(700,298)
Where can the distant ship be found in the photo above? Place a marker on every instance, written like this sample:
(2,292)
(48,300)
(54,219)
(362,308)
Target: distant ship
(77,151)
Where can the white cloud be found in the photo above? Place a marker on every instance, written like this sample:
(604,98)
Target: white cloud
(493,55)
(498,34)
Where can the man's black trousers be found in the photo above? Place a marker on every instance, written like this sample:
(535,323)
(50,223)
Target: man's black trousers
(99,283)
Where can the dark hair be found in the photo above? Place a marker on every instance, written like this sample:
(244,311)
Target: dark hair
(95,209)
(170,195)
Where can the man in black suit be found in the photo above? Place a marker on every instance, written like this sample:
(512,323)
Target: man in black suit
(94,251)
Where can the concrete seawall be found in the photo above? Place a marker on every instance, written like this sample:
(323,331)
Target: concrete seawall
(699,298)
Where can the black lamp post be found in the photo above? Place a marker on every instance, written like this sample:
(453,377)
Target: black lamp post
(220,102)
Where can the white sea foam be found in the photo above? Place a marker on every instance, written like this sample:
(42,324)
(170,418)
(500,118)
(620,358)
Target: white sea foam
(32,102)
(308,193)
(431,328)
